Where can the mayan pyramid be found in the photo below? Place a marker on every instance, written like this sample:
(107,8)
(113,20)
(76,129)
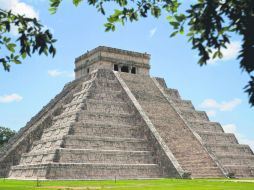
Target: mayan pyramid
(115,121)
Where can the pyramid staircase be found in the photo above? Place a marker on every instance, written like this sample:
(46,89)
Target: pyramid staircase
(99,135)
(235,160)
(192,156)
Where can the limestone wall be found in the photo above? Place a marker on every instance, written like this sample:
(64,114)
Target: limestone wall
(106,58)
(23,140)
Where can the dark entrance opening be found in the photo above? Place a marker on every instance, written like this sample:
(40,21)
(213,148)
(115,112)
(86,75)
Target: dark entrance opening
(115,67)
(125,69)
(133,70)
(87,70)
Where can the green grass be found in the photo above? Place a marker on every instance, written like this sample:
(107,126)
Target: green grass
(161,184)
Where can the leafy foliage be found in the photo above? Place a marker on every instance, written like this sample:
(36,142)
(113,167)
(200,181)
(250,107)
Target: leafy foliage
(209,31)
(5,135)
(31,38)
(209,24)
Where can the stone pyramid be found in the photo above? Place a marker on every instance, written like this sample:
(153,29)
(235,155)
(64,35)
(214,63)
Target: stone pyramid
(115,121)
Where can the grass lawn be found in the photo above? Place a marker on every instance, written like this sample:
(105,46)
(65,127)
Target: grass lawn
(161,184)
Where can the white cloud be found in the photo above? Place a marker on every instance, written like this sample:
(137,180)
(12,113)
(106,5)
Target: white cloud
(232,128)
(211,113)
(229,53)
(10,98)
(152,32)
(57,73)
(229,128)
(19,7)
(223,106)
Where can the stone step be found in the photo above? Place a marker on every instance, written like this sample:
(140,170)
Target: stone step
(194,160)
(74,103)
(219,149)
(143,88)
(55,131)
(38,157)
(70,115)
(156,97)
(94,105)
(87,81)
(110,118)
(102,130)
(86,171)
(207,176)
(84,86)
(58,126)
(139,82)
(65,121)
(52,142)
(172,94)
(77,100)
(203,170)
(218,137)
(161,81)
(74,108)
(236,159)
(193,115)
(142,79)
(107,95)
(105,75)
(183,104)
(205,126)
(82,93)
(199,162)
(101,84)
(93,83)
(105,143)
(63,155)
(93,128)
(241,171)
(104,156)
(106,80)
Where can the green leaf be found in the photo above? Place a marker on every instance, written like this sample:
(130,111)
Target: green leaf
(52,10)
(76,2)
(54,4)
(180,17)
(170,18)
(181,30)
(23,55)
(155,11)
(122,2)
(174,24)
(173,34)
(109,26)
(16,61)
(220,54)
(11,47)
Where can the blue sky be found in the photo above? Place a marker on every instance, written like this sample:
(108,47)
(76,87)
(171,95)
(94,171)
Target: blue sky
(216,88)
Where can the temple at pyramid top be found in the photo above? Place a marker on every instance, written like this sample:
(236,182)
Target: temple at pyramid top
(114,59)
